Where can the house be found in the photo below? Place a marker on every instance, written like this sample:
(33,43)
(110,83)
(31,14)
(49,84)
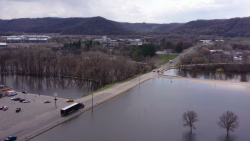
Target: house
(3,44)
(219,40)
(237,58)
(206,41)
(168,51)
(4,90)
(216,51)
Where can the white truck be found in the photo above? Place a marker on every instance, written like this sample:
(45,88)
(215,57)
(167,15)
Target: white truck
(11,93)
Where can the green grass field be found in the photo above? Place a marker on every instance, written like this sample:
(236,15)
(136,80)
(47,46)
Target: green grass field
(164,58)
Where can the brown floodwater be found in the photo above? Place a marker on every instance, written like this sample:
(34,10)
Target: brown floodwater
(153,112)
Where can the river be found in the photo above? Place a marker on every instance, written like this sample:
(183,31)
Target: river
(64,87)
(238,77)
(153,112)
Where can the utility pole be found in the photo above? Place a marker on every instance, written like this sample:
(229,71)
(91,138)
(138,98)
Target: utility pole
(55,95)
(92,103)
(140,76)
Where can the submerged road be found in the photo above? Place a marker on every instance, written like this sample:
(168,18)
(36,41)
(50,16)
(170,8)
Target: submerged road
(43,122)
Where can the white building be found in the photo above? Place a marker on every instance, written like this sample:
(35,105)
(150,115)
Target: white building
(3,44)
(206,41)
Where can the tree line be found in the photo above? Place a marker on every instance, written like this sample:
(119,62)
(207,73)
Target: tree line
(137,53)
(229,120)
(91,66)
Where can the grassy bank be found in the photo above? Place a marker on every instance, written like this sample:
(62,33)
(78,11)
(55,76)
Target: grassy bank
(109,85)
(164,58)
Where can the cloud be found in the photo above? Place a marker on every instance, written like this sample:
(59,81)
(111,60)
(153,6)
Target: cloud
(157,11)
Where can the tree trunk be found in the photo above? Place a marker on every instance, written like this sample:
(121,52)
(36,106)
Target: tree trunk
(227,132)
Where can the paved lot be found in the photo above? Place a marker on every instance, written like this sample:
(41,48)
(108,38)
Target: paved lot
(34,109)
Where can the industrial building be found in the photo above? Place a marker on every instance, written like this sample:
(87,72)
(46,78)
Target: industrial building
(3,44)
(26,38)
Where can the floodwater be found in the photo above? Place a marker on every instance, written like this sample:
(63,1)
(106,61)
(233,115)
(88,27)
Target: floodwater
(64,87)
(153,112)
(239,77)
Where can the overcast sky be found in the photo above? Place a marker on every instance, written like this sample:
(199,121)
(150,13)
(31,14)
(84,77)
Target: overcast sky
(150,11)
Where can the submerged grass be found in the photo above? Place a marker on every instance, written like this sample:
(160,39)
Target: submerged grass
(109,85)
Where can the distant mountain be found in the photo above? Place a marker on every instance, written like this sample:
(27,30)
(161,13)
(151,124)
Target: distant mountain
(229,27)
(100,26)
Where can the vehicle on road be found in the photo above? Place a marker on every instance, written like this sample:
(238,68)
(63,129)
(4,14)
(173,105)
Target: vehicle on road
(26,101)
(18,110)
(10,138)
(16,98)
(170,61)
(70,100)
(21,100)
(1,107)
(154,70)
(24,92)
(47,101)
(5,108)
(71,108)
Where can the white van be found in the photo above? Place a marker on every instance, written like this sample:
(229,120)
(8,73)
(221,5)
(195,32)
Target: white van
(11,93)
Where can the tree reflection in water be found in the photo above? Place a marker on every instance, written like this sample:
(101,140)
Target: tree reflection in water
(188,137)
(49,85)
(225,138)
(239,77)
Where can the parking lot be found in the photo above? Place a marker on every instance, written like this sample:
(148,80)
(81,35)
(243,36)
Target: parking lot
(36,108)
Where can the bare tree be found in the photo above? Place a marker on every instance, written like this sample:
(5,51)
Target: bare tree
(229,120)
(189,118)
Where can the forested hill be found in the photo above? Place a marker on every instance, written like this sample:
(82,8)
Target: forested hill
(227,27)
(100,26)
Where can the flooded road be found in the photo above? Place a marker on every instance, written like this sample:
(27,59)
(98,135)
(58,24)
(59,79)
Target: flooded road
(64,87)
(153,111)
(238,77)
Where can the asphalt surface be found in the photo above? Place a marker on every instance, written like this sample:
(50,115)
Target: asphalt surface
(37,117)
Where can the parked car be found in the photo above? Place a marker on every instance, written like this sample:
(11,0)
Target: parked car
(16,99)
(10,138)
(5,108)
(18,110)
(24,92)
(21,100)
(1,107)
(47,101)
(26,101)
(70,100)
(13,98)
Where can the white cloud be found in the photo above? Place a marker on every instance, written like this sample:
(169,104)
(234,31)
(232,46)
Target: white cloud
(157,11)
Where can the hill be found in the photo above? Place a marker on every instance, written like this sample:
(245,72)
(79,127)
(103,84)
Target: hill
(100,26)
